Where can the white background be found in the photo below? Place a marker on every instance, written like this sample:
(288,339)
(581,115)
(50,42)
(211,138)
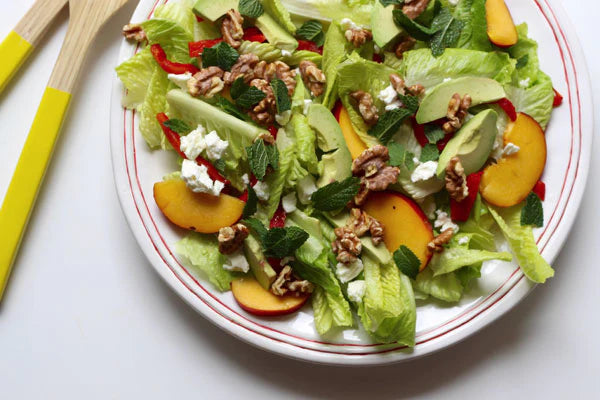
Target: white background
(85,316)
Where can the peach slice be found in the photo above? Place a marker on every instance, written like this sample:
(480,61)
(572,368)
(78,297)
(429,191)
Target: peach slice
(198,212)
(508,182)
(404,223)
(255,299)
(501,29)
(354,142)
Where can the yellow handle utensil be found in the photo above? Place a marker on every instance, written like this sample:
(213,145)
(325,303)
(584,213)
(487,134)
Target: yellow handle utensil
(20,42)
(87,17)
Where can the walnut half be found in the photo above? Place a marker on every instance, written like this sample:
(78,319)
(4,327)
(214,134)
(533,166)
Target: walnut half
(347,245)
(457,112)
(313,77)
(361,223)
(414,8)
(365,106)
(286,282)
(231,238)
(207,82)
(358,36)
(232,28)
(456,181)
(375,174)
(437,244)
(134,32)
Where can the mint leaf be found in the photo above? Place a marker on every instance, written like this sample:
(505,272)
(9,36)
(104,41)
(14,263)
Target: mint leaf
(251,203)
(429,153)
(411,103)
(260,156)
(221,55)
(178,126)
(388,124)
(250,8)
(238,87)
(408,263)
(447,32)
(400,157)
(273,156)
(282,99)
(434,133)
(522,62)
(310,30)
(257,226)
(231,108)
(413,28)
(250,97)
(533,211)
(386,3)
(335,195)
(283,242)
(219,165)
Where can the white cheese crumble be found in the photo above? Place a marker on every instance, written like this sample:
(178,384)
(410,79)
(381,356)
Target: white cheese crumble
(347,272)
(197,179)
(284,117)
(237,262)
(510,149)
(424,171)
(376,49)
(306,106)
(388,95)
(288,202)
(444,222)
(524,83)
(463,240)
(285,53)
(193,143)
(347,23)
(447,80)
(286,260)
(453,2)
(356,290)
(262,190)
(246,179)
(306,187)
(215,147)
(180,80)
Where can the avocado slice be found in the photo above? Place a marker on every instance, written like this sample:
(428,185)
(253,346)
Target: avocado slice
(213,10)
(262,270)
(435,104)
(385,29)
(336,167)
(472,144)
(311,225)
(275,33)
(329,132)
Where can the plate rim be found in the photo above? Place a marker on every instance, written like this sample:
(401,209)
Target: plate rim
(519,287)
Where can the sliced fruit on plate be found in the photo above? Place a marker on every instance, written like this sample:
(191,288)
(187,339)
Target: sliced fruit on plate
(198,212)
(404,223)
(501,29)
(353,141)
(508,182)
(255,299)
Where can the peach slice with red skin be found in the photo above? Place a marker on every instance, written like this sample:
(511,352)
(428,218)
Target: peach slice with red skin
(508,182)
(501,29)
(404,223)
(199,212)
(353,141)
(255,299)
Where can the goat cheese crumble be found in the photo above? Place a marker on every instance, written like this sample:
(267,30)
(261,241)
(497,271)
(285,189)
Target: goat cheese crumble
(356,290)
(237,262)
(196,178)
(180,80)
(443,222)
(510,149)
(347,272)
(424,171)
(215,147)
(283,118)
(285,53)
(463,240)
(390,98)
(193,143)
(347,23)
(306,106)
(306,187)
(288,202)
(262,190)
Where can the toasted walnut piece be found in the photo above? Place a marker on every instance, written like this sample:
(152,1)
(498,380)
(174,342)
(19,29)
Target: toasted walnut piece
(457,112)
(231,238)
(376,230)
(404,45)
(358,36)
(362,195)
(267,137)
(207,82)
(232,28)
(244,66)
(365,106)
(400,87)
(414,8)
(264,112)
(376,175)
(361,223)
(286,282)
(287,75)
(437,244)
(300,287)
(278,287)
(375,156)
(134,32)
(313,77)
(347,245)
(456,181)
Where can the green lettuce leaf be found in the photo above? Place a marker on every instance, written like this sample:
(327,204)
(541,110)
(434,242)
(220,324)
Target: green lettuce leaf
(136,74)
(474,34)
(277,179)
(334,52)
(171,36)
(269,53)
(154,103)
(179,12)
(202,252)
(306,140)
(522,243)
(358,11)
(276,9)
(447,287)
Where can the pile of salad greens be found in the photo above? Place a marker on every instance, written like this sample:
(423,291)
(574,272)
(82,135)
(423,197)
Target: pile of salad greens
(297,188)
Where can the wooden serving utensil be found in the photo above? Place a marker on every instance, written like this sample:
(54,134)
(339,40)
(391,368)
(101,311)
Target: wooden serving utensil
(86,19)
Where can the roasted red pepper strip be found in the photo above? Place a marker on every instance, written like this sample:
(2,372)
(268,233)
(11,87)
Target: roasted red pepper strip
(310,46)
(441,145)
(337,109)
(254,34)
(199,18)
(558,99)
(419,133)
(460,211)
(377,58)
(196,48)
(168,66)
(278,220)
(508,108)
(540,190)
(273,131)
(175,141)
(244,196)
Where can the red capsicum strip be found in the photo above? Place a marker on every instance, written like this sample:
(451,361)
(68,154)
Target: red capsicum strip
(337,110)
(540,190)
(460,211)
(310,46)
(278,220)
(168,66)
(244,196)
(197,48)
(508,108)
(254,34)
(175,141)
(419,131)
(558,99)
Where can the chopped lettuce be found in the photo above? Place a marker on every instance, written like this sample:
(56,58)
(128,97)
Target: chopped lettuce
(334,52)
(359,11)
(522,243)
(474,34)
(276,9)
(277,180)
(202,252)
(171,36)
(445,287)
(136,74)
(269,53)
(306,140)
(179,12)
(154,103)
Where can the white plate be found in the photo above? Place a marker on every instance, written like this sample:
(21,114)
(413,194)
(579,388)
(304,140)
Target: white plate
(502,286)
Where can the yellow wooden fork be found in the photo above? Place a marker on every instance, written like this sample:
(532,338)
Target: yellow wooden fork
(86,19)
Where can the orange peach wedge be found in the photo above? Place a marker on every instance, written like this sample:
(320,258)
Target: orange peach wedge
(198,212)
(501,29)
(404,223)
(255,299)
(354,142)
(508,182)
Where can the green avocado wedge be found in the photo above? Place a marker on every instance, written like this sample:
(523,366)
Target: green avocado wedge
(262,270)
(385,29)
(435,104)
(473,143)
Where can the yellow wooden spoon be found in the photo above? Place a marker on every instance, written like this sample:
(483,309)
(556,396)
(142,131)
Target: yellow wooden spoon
(86,19)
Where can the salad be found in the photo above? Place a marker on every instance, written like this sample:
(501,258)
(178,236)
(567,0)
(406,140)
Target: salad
(358,155)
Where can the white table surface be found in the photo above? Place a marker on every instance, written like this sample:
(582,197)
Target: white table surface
(85,316)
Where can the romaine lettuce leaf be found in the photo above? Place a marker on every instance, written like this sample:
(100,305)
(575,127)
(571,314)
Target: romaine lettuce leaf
(202,252)
(179,12)
(445,287)
(334,52)
(306,140)
(522,243)
(154,103)
(171,36)
(280,13)
(359,11)
(535,101)
(474,34)
(136,74)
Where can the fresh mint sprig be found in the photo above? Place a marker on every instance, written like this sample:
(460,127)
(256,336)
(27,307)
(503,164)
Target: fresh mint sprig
(250,8)
(533,211)
(407,262)
(221,55)
(335,195)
